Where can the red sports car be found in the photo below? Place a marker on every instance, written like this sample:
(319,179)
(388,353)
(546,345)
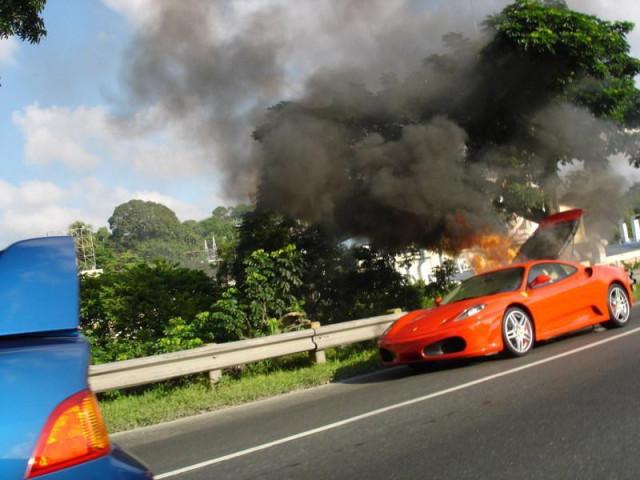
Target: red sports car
(510,308)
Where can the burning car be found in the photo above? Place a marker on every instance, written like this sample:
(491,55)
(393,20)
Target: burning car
(508,309)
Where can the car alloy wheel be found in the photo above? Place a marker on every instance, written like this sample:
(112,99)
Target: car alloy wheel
(517,331)
(619,308)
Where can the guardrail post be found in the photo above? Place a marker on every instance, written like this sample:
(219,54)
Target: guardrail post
(317,356)
(215,376)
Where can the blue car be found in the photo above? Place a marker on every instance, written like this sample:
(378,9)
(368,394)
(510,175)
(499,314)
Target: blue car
(50,424)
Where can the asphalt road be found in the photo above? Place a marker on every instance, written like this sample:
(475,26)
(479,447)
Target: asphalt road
(568,410)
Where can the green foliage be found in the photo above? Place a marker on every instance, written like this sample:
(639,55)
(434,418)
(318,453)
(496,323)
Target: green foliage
(370,285)
(577,44)
(139,308)
(255,306)
(338,282)
(144,310)
(182,335)
(145,231)
(545,55)
(443,279)
(258,230)
(228,316)
(22,18)
(139,221)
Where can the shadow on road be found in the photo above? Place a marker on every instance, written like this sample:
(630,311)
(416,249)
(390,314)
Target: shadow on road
(401,372)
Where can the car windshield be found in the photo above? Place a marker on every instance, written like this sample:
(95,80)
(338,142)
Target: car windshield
(507,280)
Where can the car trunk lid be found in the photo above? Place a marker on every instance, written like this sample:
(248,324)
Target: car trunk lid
(38,287)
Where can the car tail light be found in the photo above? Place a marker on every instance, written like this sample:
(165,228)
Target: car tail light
(74,433)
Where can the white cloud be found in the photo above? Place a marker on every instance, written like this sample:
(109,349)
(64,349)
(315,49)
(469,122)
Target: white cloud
(8,49)
(33,193)
(32,209)
(84,138)
(37,208)
(59,134)
(135,11)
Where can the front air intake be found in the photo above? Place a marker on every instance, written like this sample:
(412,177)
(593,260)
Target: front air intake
(387,355)
(445,347)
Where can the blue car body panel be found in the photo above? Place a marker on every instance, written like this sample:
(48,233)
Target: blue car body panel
(39,289)
(43,358)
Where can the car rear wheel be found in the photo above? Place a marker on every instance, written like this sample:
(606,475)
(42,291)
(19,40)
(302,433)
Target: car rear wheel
(619,307)
(517,331)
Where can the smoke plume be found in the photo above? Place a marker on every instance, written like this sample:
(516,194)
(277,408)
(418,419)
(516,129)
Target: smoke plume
(370,153)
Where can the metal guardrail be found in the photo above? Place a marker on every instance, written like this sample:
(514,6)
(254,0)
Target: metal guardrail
(213,358)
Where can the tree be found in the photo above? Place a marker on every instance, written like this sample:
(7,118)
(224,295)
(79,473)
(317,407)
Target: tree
(338,282)
(22,18)
(551,68)
(370,285)
(137,221)
(258,230)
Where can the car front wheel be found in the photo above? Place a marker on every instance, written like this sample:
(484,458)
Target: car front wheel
(619,307)
(517,331)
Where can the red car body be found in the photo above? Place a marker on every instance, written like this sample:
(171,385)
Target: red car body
(510,308)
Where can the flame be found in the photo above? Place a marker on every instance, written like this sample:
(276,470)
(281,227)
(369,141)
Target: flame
(490,251)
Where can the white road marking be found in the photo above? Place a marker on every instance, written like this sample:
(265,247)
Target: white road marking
(380,411)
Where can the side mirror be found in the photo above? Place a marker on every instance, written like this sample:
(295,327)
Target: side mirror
(438,301)
(540,280)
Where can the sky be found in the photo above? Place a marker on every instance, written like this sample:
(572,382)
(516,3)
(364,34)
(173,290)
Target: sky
(84,127)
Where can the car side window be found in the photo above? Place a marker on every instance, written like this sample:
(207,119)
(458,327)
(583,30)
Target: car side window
(542,269)
(536,270)
(567,270)
(556,271)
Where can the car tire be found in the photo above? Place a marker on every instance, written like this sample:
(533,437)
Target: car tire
(517,332)
(619,307)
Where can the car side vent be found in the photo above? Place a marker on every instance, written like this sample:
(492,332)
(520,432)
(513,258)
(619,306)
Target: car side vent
(588,271)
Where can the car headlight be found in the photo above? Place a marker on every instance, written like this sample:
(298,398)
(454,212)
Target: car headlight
(471,311)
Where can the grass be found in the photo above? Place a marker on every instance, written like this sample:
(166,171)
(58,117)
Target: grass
(125,410)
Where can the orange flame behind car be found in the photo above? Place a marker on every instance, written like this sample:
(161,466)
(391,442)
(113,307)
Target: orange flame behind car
(490,251)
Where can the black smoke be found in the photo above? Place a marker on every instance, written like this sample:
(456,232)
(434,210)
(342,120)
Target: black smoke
(375,137)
